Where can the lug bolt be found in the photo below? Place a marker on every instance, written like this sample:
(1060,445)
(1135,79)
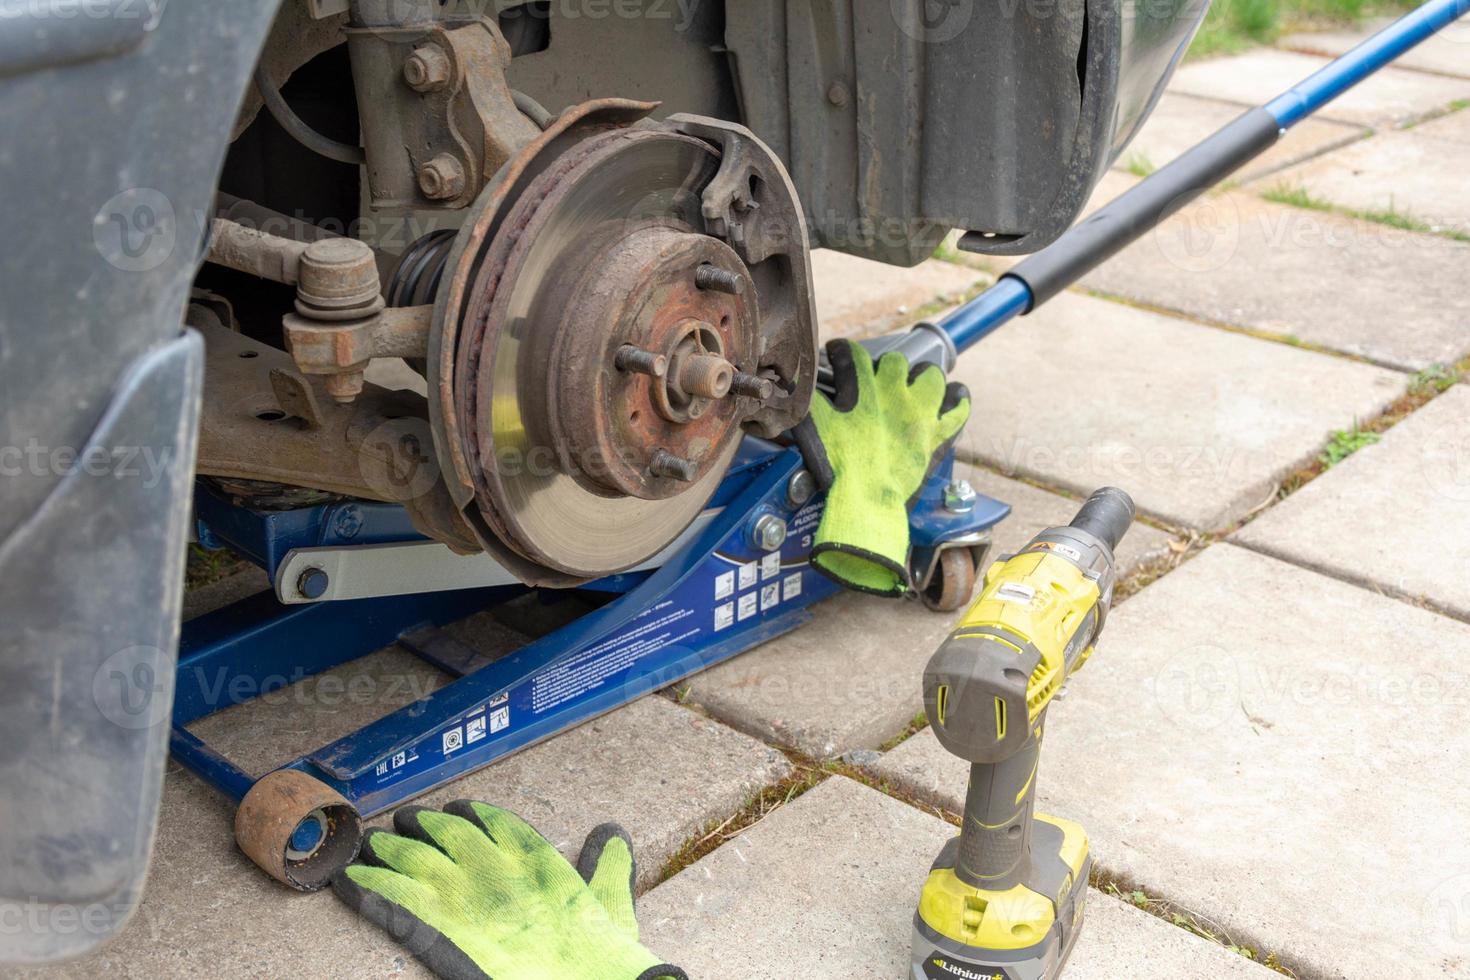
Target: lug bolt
(769,532)
(959,497)
(442,178)
(427,69)
(639,361)
(665,463)
(706,375)
(752,386)
(712,277)
(312,583)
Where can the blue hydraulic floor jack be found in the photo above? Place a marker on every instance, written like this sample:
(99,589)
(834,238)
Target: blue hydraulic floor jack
(741,578)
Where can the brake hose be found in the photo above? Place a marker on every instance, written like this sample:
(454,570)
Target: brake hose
(299,130)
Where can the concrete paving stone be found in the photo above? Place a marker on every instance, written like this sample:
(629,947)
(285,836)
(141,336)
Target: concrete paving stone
(228,590)
(1266,746)
(827,886)
(1392,516)
(1446,53)
(661,770)
(1180,121)
(1033,510)
(1392,96)
(1359,287)
(1196,422)
(861,298)
(1453,126)
(849,680)
(1413,173)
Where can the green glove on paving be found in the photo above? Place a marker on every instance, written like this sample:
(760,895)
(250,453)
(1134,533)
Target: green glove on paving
(477,894)
(872,447)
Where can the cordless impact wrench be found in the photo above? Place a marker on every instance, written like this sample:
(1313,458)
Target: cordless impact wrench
(1004,899)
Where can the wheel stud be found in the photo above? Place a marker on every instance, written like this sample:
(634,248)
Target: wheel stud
(665,463)
(752,386)
(639,361)
(719,280)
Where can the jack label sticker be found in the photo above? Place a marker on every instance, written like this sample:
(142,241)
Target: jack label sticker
(749,575)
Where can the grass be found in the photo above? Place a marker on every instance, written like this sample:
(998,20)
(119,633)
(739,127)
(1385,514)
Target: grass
(1188,920)
(204,566)
(1235,25)
(1139,165)
(1298,196)
(1423,388)
(1344,443)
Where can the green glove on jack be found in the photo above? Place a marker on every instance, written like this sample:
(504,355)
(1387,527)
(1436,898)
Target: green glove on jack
(477,894)
(871,447)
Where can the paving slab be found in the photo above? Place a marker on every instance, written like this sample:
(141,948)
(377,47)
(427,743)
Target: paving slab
(661,770)
(1034,509)
(1243,745)
(1446,53)
(861,298)
(1392,96)
(1392,516)
(223,592)
(1414,173)
(1180,121)
(1453,126)
(1196,422)
(850,678)
(827,886)
(1393,296)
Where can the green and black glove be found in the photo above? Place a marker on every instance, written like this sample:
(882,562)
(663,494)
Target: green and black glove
(871,447)
(477,894)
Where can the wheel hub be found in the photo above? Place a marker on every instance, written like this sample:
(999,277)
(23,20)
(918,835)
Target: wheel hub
(646,404)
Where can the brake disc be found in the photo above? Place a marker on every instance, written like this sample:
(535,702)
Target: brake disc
(597,384)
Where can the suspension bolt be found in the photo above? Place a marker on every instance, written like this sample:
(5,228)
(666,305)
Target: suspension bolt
(752,386)
(639,361)
(665,463)
(442,178)
(427,69)
(718,280)
(769,532)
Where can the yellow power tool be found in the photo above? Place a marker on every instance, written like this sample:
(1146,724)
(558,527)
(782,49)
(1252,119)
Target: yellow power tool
(1004,899)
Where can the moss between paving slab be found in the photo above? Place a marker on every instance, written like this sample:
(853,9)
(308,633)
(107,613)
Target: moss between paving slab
(806,774)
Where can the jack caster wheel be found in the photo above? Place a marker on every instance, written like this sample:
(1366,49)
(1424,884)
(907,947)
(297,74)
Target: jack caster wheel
(298,829)
(953,581)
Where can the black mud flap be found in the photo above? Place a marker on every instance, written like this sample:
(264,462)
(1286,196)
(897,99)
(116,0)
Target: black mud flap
(92,583)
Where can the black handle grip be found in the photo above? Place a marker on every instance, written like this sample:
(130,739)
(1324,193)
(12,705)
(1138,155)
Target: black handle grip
(1107,515)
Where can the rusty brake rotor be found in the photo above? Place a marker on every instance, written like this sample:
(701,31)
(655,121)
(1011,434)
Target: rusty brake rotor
(609,356)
